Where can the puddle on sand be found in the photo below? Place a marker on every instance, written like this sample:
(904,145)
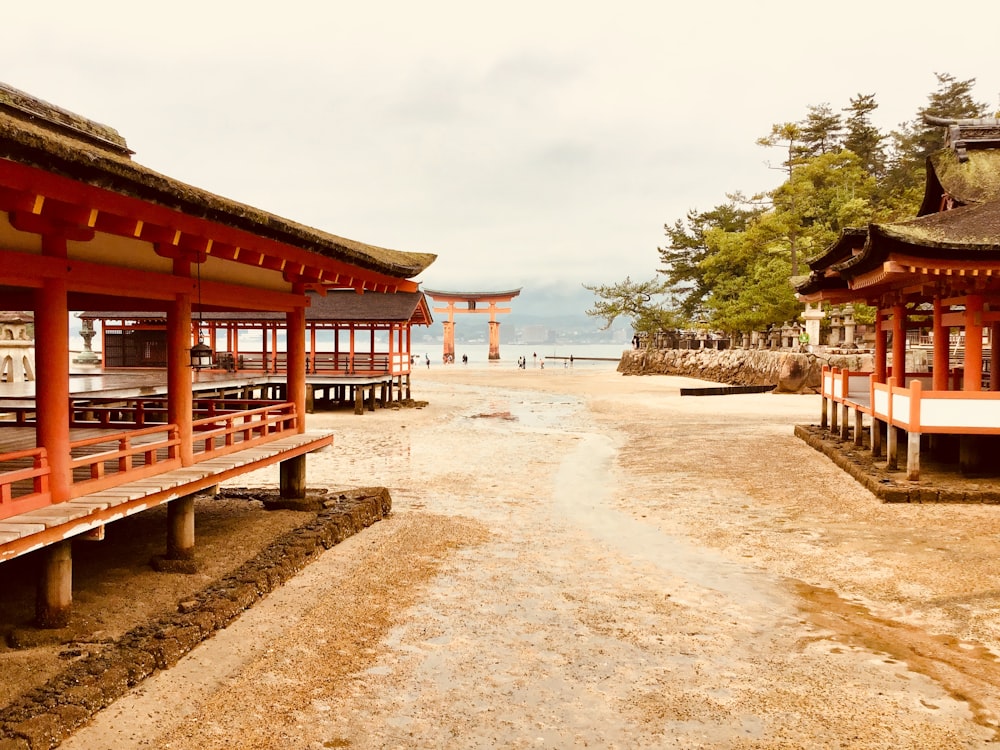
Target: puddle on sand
(968,672)
(582,492)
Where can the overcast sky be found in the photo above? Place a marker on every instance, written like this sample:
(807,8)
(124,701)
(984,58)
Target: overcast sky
(525,143)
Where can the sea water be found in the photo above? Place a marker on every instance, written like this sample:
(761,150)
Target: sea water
(552,355)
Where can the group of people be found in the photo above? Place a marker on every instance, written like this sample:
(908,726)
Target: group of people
(414,358)
(522,362)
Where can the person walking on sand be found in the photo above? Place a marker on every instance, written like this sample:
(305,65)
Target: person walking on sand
(428,358)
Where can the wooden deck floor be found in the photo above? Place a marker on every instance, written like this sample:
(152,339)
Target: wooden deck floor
(37,528)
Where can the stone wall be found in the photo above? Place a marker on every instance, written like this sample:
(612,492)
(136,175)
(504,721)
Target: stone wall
(789,372)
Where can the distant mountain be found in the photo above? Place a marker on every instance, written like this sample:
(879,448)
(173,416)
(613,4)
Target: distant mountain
(561,308)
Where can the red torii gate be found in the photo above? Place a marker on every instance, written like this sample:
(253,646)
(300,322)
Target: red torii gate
(471,299)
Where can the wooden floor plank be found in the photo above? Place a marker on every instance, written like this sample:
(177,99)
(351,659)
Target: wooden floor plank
(22,528)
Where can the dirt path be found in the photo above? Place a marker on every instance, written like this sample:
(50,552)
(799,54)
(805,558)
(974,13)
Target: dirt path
(578,559)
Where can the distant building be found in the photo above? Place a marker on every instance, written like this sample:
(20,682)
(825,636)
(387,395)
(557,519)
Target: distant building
(535,334)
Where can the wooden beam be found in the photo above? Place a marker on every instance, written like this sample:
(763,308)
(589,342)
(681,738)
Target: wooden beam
(27,269)
(23,221)
(30,188)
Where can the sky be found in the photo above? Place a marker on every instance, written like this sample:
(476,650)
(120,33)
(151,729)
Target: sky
(535,145)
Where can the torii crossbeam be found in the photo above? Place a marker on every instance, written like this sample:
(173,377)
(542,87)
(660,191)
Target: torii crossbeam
(472,300)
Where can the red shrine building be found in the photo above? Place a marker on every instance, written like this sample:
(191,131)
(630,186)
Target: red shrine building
(84,227)
(932,278)
(354,342)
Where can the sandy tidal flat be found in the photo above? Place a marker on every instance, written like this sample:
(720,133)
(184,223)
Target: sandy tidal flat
(581,559)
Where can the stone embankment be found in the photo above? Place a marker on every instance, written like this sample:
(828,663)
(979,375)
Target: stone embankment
(43,718)
(789,372)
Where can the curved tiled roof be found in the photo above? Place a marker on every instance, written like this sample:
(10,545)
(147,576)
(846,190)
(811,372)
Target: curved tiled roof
(843,247)
(967,169)
(335,305)
(38,134)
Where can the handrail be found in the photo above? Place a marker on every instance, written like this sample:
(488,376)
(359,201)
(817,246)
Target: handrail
(149,410)
(123,458)
(38,474)
(243,429)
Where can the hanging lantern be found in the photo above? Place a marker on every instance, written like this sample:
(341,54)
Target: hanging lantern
(201,355)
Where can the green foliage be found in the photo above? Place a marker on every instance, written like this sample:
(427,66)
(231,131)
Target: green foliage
(732,265)
(683,257)
(916,140)
(862,137)
(822,131)
(643,303)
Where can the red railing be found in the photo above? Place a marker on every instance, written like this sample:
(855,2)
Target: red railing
(24,488)
(109,460)
(135,454)
(340,363)
(226,433)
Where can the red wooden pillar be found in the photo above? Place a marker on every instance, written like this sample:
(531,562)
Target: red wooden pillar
(494,333)
(940,347)
(880,347)
(312,348)
(274,347)
(263,347)
(350,359)
(180,400)
(52,382)
(448,326)
(973,343)
(295,375)
(409,359)
(293,470)
(899,344)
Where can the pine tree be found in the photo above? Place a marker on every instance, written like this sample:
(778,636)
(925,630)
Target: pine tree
(862,137)
(916,140)
(821,131)
(682,258)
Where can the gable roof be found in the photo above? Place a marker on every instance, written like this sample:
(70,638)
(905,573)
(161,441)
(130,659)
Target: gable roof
(958,222)
(37,134)
(336,306)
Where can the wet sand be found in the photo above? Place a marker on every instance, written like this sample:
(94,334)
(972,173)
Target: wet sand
(581,559)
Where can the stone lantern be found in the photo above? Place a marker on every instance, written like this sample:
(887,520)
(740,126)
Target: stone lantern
(87,333)
(836,326)
(17,348)
(812,316)
(849,325)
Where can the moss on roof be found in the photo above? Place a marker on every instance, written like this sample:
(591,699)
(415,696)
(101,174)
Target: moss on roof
(74,147)
(973,228)
(974,180)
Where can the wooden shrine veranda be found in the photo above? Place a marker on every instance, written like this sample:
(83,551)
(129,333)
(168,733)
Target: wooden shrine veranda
(84,227)
(936,277)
